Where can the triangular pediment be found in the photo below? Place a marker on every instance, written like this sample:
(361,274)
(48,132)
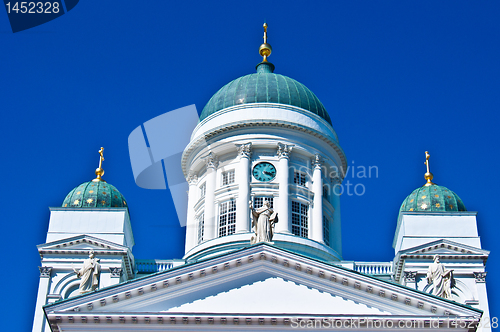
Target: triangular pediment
(276,294)
(444,247)
(80,243)
(259,280)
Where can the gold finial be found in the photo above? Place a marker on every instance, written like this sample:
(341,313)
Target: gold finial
(265,33)
(428,176)
(99,171)
(265,49)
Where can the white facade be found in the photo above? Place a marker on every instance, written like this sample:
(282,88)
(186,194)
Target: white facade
(257,288)
(72,233)
(454,237)
(224,283)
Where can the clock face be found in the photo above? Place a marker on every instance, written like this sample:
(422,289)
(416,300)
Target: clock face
(264,172)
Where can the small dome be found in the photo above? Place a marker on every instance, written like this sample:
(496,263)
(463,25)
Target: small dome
(94,194)
(432,198)
(265,87)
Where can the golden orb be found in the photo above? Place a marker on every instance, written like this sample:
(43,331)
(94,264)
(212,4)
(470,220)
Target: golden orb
(99,172)
(429,176)
(265,50)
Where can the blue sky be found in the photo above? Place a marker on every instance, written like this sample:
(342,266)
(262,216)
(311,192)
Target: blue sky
(398,78)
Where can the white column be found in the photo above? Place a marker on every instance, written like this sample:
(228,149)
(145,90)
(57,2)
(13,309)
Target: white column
(39,324)
(243,180)
(284,224)
(212,163)
(191,224)
(317,189)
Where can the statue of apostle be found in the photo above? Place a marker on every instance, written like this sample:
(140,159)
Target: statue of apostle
(89,274)
(440,278)
(263,220)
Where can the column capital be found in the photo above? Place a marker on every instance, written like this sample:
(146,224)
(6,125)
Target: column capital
(284,150)
(45,271)
(244,150)
(192,178)
(212,160)
(116,272)
(317,160)
(410,276)
(480,276)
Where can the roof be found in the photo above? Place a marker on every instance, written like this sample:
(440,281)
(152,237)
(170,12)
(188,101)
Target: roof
(94,194)
(432,198)
(265,87)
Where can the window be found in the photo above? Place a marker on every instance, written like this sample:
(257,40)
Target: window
(203,189)
(259,201)
(326,230)
(299,219)
(227,218)
(325,192)
(299,178)
(201,228)
(228,177)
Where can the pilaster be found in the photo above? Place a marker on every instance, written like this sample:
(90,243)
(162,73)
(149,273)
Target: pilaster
(39,323)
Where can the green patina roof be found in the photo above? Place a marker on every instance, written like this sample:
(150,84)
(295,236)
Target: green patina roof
(94,194)
(265,87)
(432,198)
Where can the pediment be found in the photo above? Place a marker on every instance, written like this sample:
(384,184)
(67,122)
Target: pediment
(276,294)
(446,248)
(259,280)
(80,244)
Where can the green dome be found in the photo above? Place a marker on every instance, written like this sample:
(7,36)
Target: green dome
(432,198)
(265,87)
(94,194)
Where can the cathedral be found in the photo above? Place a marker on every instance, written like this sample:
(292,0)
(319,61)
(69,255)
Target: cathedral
(263,248)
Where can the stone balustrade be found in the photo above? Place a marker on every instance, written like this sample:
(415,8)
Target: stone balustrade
(374,268)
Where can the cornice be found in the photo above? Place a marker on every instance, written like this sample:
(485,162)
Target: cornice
(457,251)
(183,321)
(99,246)
(201,140)
(300,269)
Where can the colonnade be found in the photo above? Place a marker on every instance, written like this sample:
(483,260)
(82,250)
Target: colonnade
(243,180)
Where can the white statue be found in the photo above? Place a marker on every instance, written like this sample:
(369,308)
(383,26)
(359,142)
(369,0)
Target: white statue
(89,273)
(440,278)
(263,220)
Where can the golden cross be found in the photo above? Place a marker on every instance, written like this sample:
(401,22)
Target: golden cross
(101,158)
(427,156)
(428,176)
(99,171)
(265,33)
